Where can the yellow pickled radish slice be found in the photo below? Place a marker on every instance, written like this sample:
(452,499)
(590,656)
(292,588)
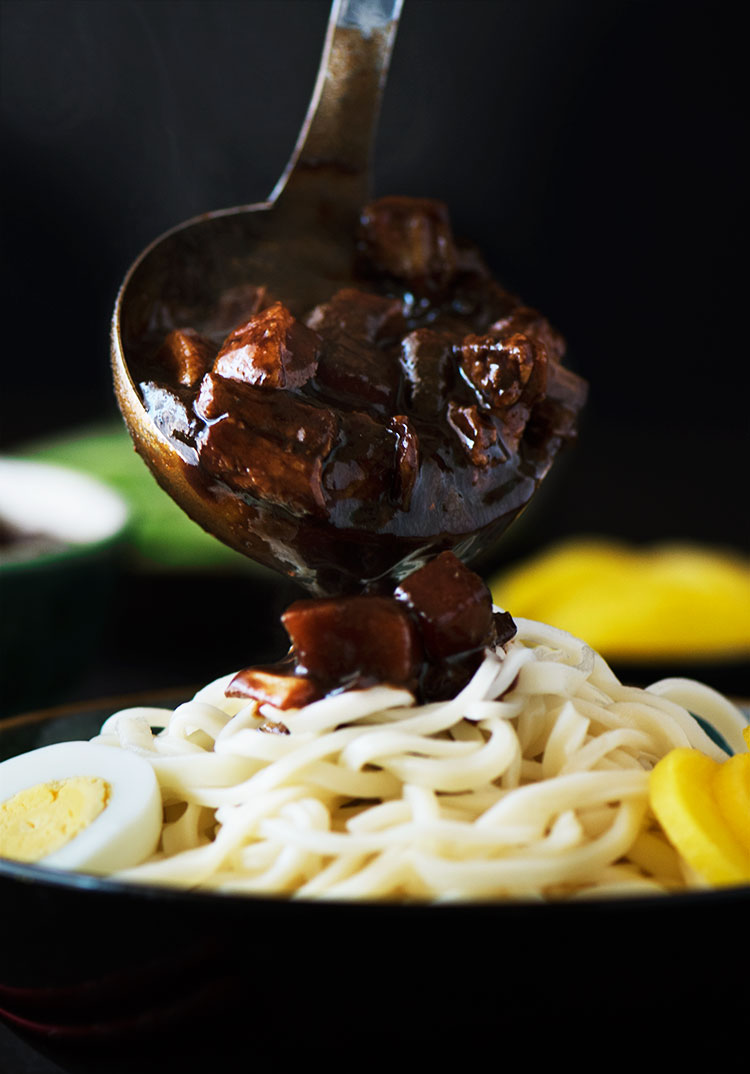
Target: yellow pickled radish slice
(732,791)
(671,601)
(746,735)
(681,793)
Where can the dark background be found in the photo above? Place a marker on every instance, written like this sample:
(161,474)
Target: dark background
(591,148)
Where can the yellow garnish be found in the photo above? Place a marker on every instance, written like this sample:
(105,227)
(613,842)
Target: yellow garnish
(683,800)
(732,790)
(661,603)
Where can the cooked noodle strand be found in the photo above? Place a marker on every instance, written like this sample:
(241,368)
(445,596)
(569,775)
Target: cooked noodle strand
(531,783)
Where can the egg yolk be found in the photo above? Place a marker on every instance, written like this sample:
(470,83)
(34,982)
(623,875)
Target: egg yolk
(41,819)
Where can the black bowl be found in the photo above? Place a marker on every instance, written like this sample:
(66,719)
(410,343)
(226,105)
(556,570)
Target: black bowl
(92,963)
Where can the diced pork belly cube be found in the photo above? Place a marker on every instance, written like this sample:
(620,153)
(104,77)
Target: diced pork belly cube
(477,433)
(269,444)
(504,369)
(503,627)
(250,462)
(492,303)
(514,422)
(452,605)
(270,350)
(533,325)
(362,465)
(358,315)
(237,305)
(566,387)
(409,239)
(557,414)
(427,363)
(273,687)
(407,459)
(345,640)
(351,366)
(359,374)
(185,355)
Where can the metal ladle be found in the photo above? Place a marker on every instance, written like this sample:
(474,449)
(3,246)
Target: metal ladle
(421,492)
(298,243)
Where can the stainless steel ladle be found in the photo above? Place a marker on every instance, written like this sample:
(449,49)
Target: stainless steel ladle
(298,243)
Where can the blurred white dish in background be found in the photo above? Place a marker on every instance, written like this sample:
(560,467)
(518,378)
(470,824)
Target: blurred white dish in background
(42,498)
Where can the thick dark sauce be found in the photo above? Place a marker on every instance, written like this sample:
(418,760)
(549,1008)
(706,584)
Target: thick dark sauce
(413,412)
(429,636)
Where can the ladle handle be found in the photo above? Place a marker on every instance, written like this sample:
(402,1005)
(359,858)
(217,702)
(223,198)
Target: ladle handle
(330,168)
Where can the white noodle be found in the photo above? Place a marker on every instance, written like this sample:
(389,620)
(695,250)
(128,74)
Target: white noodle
(532,782)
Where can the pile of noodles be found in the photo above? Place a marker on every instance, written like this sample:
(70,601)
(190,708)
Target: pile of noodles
(531,783)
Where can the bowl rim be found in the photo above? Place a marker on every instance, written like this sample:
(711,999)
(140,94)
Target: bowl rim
(43,876)
(49,878)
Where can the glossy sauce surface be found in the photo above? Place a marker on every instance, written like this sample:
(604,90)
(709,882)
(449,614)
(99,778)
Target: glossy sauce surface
(429,637)
(414,411)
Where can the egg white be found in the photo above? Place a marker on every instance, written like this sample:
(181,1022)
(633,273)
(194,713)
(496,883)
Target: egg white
(127,830)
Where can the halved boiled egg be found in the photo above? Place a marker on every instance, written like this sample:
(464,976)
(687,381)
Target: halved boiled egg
(80,806)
